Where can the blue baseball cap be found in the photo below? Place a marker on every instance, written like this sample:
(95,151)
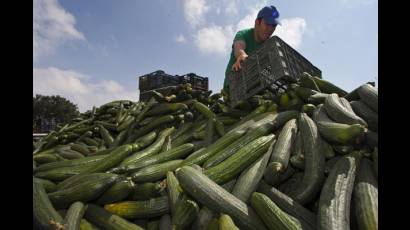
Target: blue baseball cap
(270,14)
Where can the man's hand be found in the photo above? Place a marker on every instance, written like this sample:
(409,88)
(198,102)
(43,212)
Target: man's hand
(237,65)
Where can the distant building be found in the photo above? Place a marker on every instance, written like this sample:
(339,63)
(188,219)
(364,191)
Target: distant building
(44,125)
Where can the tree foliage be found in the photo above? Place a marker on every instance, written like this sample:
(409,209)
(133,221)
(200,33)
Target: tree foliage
(53,107)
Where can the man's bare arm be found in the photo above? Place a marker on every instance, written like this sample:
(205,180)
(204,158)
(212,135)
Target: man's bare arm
(240,54)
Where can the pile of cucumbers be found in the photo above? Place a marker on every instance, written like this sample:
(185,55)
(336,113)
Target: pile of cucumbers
(305,159)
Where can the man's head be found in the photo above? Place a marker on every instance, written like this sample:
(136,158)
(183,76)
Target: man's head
(266,22)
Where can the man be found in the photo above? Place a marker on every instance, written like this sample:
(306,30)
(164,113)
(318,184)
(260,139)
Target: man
(248,40)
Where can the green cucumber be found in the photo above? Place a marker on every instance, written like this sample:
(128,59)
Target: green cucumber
(125,123)
(226,223)
(146,191)
(204,190)
(320,115)
(146,140)
(91,141)
(209,132)
(60,174)
(327,149)
(232,166)
(153,149)
(77,179)
(251,134)
(182,129)
(155,172)
(172,154)
(298,147)
(203,109)
(334,201)
(106,220)
(328,87)
(107,125)
(165,108)
(166,119)
(249,179)
(74,215)
(113,159)
(86,191)
(305,93)
(365,197)
(119,139)
(70,154)
(49,186)
(335,109)
(298,161)
(43,158)
(288,205)
(212,149)
(186,211)
(369,95)
(273,217)
(307,81)
(174,190)
(85,225)
(117,192)
(317,98)
(153,207)
(281,153)
(314,162)
(80,148)
(278,119)
(308,109)
(43,210)
(341,134)
(367,114)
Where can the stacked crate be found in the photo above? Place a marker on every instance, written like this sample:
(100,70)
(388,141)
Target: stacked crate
(163,82)
(272,66)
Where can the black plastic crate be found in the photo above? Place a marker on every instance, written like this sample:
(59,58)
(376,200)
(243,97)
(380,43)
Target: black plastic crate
(157,79)
(197,82)
(272,66)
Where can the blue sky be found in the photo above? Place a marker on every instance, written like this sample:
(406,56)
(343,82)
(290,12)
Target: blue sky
(92,52)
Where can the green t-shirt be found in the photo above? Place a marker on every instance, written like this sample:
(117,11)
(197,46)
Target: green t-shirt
(247,36)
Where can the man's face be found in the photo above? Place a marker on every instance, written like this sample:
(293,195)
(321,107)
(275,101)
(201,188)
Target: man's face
(264,30)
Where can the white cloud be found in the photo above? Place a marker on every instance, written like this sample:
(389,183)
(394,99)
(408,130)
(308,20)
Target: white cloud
(110,86)
(52,26)
(291,31)
(231,7)
(76,87)
(217,39)
(195,11)
(180,39)
(248,21)
(214,39)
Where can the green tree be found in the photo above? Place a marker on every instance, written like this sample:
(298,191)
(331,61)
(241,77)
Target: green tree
(53,107)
